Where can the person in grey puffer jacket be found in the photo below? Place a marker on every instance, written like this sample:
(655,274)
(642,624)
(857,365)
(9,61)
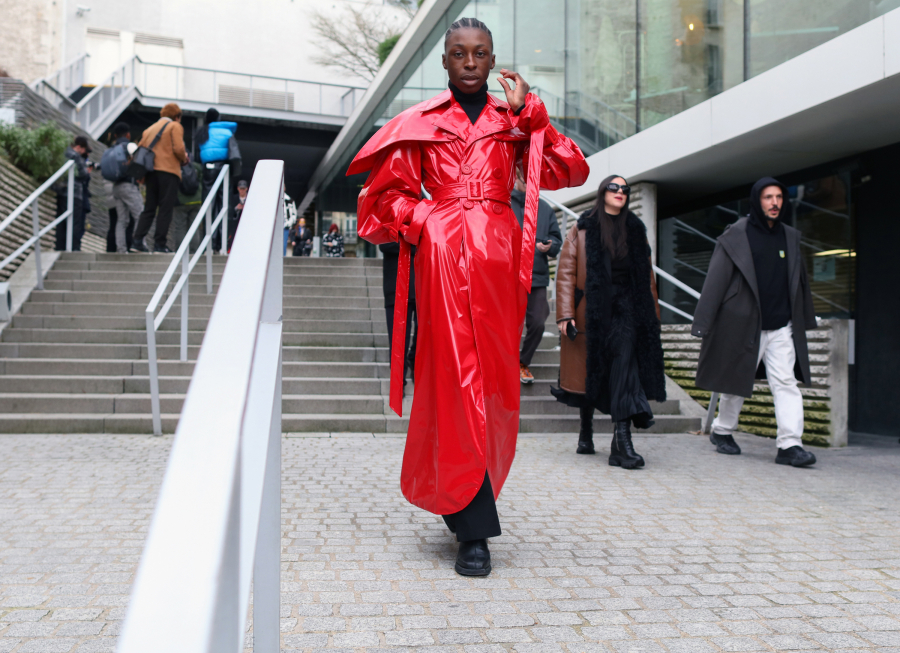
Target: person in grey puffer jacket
(548,241)
(77,153)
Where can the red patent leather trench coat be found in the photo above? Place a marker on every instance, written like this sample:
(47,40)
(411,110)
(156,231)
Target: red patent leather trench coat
(470,289)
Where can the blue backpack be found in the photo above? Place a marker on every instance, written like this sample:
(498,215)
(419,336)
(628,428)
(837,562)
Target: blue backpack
(114,163)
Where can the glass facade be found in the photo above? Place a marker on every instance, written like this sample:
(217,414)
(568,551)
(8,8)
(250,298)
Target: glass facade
(824,211)
(607,69)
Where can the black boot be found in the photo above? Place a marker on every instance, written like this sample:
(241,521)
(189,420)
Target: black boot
(473,559)
(621,451)
(586,436)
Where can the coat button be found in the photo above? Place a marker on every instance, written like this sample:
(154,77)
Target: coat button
(466,169)
(497,173)
(451,137)
(469,204)
(498,209)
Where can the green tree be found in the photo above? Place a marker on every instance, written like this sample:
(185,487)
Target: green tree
(39,152)
(386,47)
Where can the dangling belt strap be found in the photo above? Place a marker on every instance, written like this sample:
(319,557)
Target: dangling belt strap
(473,190)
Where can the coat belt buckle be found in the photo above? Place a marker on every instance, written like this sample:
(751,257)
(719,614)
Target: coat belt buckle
(474,190)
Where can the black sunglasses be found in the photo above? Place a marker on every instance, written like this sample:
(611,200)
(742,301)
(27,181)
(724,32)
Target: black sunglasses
(617,187)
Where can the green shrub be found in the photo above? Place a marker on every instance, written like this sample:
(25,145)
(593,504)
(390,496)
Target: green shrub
(39,152)
(385,48)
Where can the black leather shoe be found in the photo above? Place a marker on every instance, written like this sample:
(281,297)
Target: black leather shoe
(138,246)
(621,451)
(162,250)
(725,444)
(795,456)
(473,559)
(586,435)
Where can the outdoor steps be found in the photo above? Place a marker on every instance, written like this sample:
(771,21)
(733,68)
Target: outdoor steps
(74,360)
(682,351)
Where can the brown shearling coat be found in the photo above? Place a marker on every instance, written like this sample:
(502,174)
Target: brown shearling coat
(571,274)
(169,151)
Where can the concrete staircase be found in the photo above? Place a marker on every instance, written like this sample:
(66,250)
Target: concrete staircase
(74,360)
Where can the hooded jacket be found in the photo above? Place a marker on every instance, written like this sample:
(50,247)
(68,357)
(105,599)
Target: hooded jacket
(547,229)
(729,313)
(215,148)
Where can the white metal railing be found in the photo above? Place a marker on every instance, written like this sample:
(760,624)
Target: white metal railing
(57,87)
(714,397)
(37,232)
(182,286)
(217,522)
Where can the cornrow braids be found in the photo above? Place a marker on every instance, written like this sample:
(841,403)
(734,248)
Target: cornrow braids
(469,22)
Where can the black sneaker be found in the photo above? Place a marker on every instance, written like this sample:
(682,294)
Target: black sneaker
(162,250)
(139,246)
(725,444)
(795,456)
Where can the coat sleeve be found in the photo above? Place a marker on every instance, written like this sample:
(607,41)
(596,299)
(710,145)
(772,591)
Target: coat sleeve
(391,193)
(554,234)
(178,143)
(809,310)
(563,163)
(567,277)
(718,277)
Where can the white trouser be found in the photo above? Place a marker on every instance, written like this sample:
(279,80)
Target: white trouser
(777,349)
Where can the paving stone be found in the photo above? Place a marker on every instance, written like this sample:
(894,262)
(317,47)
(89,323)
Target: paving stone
(669,559)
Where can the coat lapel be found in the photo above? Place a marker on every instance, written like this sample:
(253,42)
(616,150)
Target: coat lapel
(738,248)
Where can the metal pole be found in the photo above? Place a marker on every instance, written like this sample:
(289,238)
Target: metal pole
(226,184)
(637,65)
(154,374)
(70,207)
(747,27)
(267,564)
(285,95)
(209,245)
(185,272)
(36,224)
(711,412)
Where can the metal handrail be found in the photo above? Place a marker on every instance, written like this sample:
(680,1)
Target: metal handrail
(217,522)
(37,231)
(182,286)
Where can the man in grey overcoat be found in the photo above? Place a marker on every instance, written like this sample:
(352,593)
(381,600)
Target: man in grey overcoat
(753,314)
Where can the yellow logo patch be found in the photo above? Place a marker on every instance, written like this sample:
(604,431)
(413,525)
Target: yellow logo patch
(781,252)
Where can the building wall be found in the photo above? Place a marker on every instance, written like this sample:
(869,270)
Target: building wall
(32,46)
(273,38)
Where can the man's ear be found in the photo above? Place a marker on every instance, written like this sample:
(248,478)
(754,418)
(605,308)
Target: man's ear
(444,61)
(493,61)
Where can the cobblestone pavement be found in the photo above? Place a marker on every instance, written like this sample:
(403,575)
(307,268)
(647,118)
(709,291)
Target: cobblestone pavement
(698,552)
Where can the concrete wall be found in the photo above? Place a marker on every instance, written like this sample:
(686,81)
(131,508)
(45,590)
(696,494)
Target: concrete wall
(32,46)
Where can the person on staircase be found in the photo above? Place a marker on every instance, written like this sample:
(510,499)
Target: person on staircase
(126,194)
(161,183)
(77,152)
(302,238)
(607,312)
(333,242)
(213,139)
(753,314)
(473,273)
(547,241)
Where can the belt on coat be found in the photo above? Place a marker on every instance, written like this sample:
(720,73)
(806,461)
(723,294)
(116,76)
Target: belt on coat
(473,190)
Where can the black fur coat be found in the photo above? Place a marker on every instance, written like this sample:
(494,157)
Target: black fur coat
(641,317)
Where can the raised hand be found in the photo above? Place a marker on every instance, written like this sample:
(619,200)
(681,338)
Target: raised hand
(515,97)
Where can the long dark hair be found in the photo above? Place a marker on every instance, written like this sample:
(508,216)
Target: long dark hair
(612,230)
(212,115)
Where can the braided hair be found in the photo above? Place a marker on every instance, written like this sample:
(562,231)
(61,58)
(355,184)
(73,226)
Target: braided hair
(474,23)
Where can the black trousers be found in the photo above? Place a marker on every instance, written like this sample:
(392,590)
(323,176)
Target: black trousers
(162,194)
(409,360)
(206,183)
(478,520)
(62,204)
(536,314)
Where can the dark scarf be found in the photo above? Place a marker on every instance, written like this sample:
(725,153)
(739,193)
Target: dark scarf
(599,296)
(472,103)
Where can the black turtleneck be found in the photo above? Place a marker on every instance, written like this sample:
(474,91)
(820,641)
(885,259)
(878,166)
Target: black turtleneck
(472,103)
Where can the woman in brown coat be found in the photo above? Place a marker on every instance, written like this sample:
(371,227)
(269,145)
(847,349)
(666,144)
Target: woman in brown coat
(606,307)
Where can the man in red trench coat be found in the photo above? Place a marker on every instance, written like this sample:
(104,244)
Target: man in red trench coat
(471,275)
